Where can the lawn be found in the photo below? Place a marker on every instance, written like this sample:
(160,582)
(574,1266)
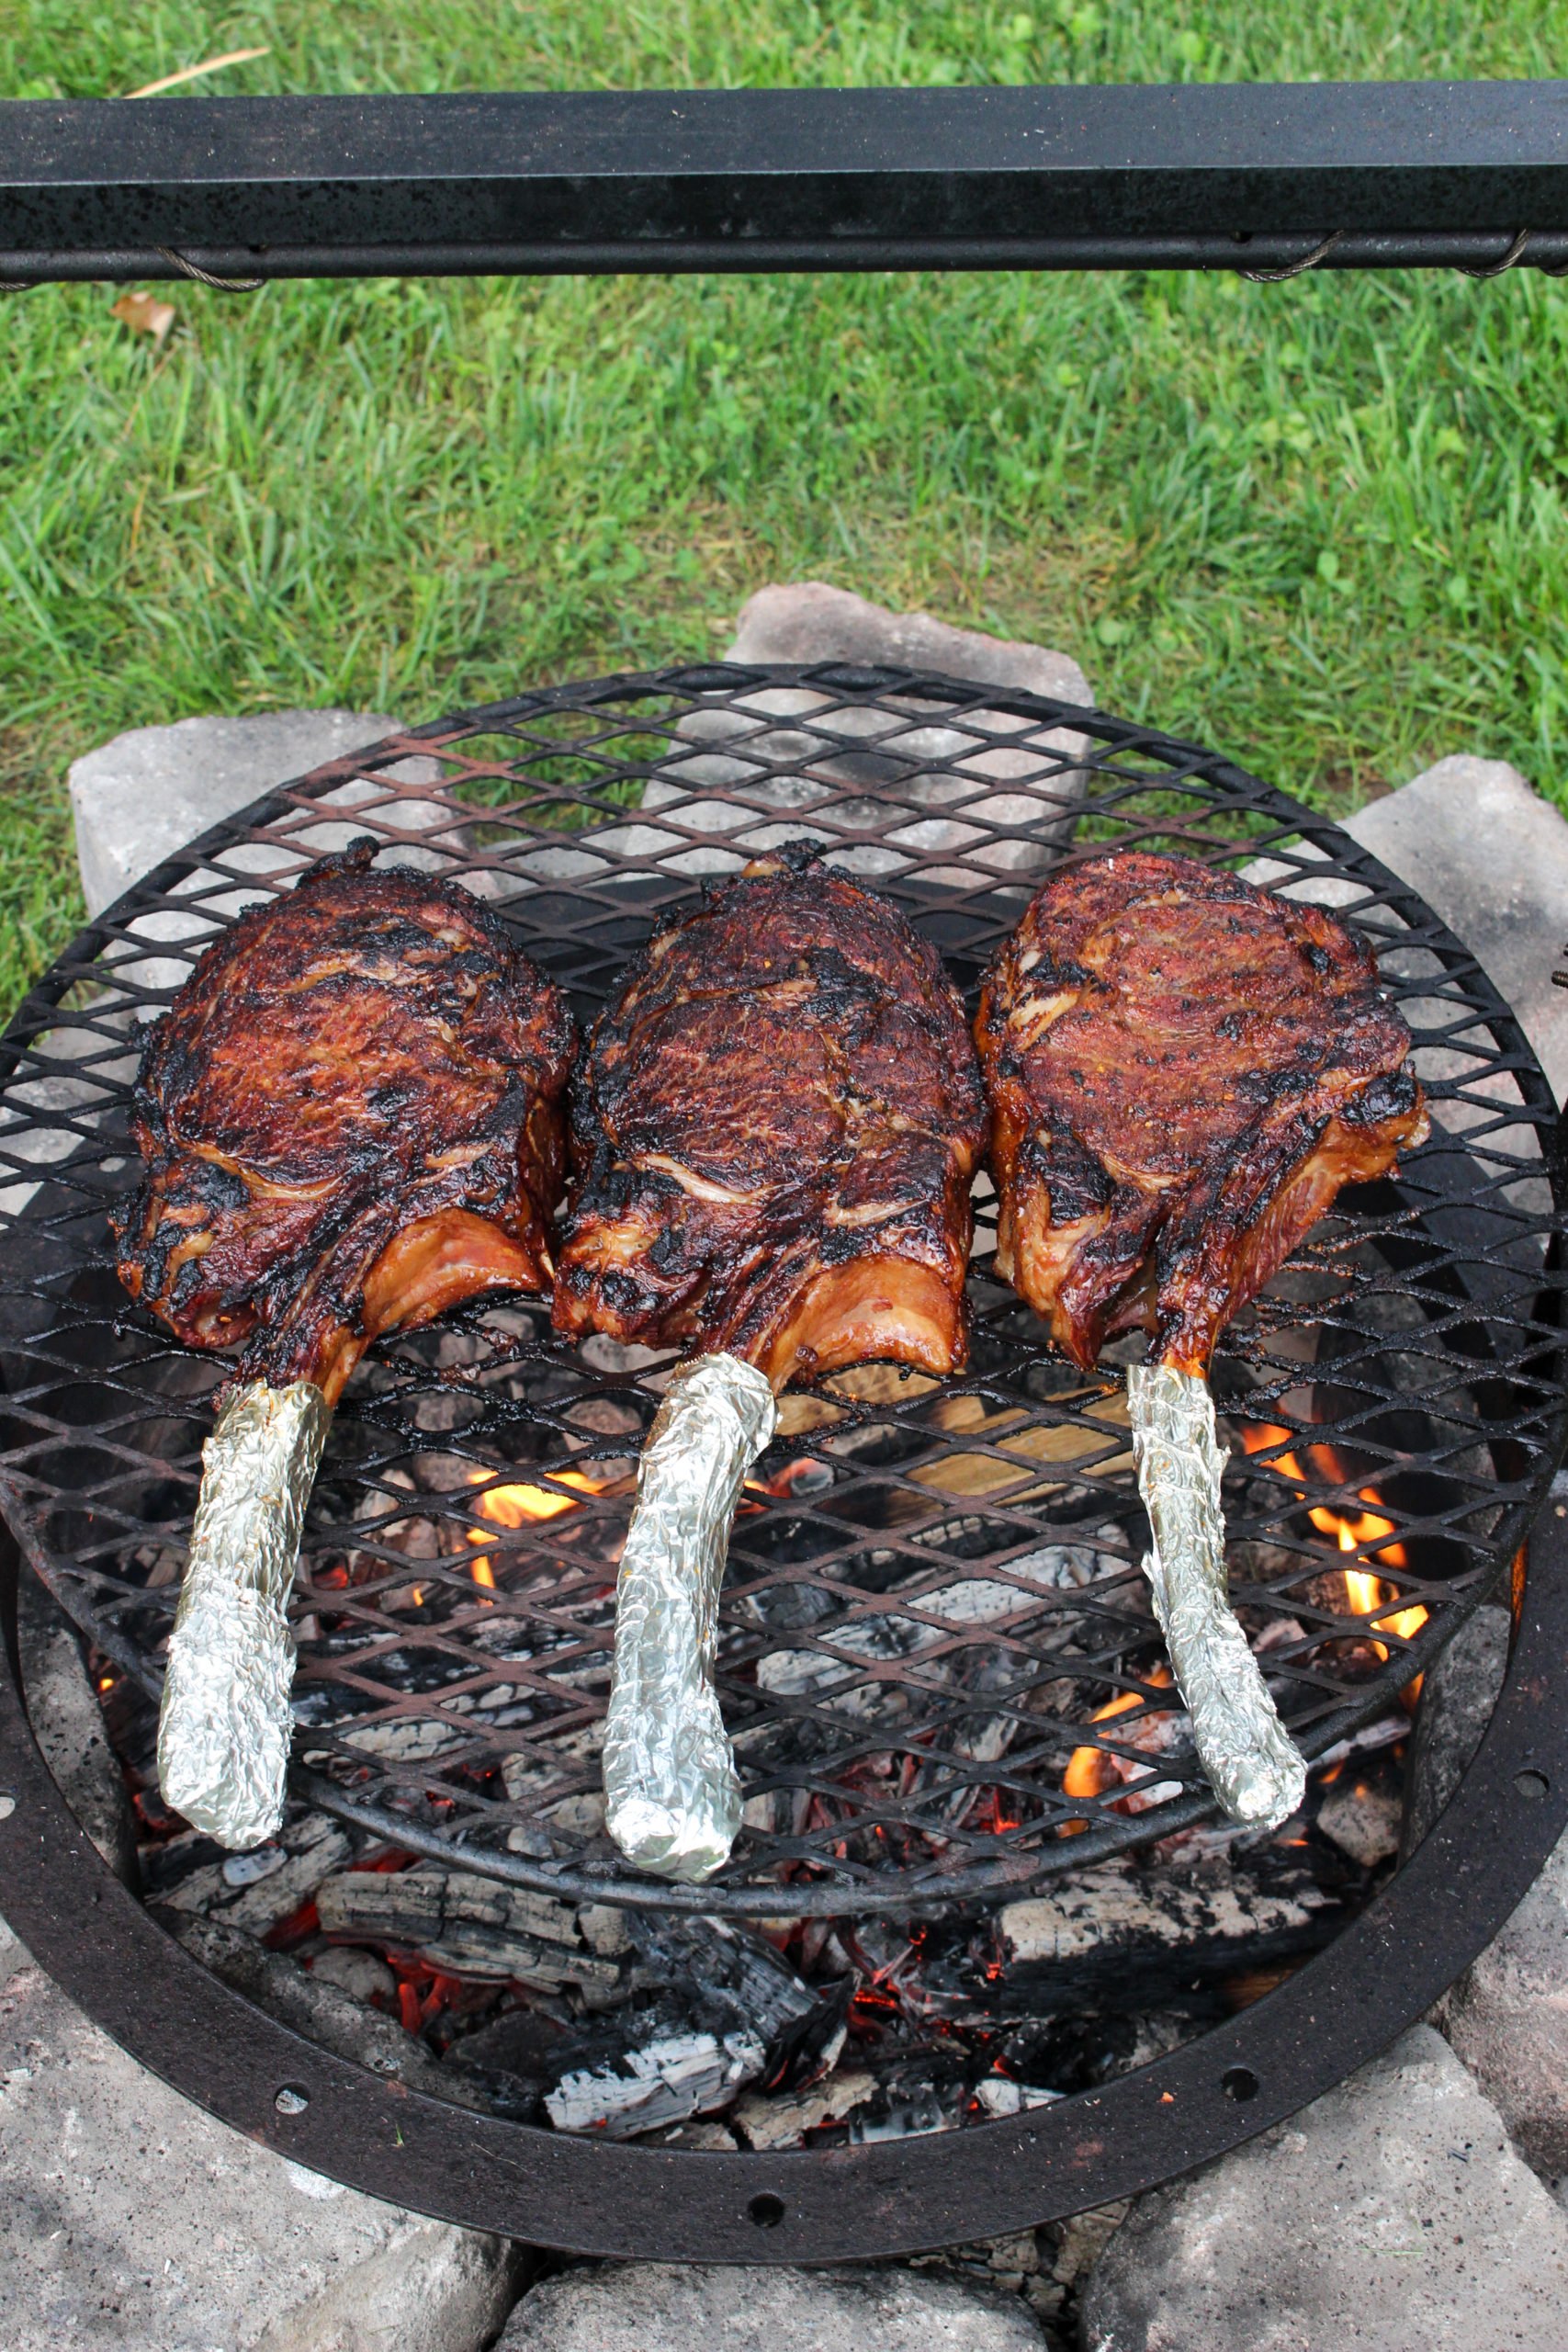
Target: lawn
(1321,523)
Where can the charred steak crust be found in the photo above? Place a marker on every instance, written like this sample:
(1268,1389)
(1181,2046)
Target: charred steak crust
(366,1065)
(1183,1070)
(782,1103)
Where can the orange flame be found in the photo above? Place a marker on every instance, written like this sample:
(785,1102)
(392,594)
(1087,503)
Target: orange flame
(1090,1770)
(1367,1595)
(521,1506)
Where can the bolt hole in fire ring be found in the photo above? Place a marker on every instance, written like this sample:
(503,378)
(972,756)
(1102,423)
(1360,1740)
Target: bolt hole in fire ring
(936,1654)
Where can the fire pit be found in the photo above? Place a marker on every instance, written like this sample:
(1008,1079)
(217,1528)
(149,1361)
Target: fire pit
(948,1695)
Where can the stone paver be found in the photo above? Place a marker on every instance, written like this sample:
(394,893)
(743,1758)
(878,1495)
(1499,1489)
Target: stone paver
(1491,857)
(806,621)
(1391,2215)
(143,796)
(1003,783)
(658,2307)
(131,2222)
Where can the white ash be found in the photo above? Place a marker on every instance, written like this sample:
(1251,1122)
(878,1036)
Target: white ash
(1362,1821)
(778,2123)
(1001,2094)
(363,1975)
(1114,1907)
(663,2082)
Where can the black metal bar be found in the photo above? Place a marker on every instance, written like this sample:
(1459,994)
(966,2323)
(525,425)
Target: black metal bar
(1477,251)
(1250,176)
(597,2197)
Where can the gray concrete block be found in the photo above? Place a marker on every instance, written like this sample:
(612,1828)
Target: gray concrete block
(131,2222)
(656,2307)
(1491,858)
(997,785)
(809,621)
(1508,2015)
(140,798)
(1392,2214)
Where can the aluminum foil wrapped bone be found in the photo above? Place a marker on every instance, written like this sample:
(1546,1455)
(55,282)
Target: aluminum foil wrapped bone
(671,1794)
(225,1725)
(1251,1761)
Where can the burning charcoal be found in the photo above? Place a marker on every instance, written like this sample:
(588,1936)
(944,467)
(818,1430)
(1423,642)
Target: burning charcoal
(1067,2054)
(739,1977)
(256,1892)
(358,1974)
(1362,1818)
(999,2095)
(468,1925)
(1126,1936)
(779,2123)
(528,2043)
(664,2082)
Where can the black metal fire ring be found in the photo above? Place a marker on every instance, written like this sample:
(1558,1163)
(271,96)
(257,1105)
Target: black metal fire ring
(593,2197)
(1493,1336)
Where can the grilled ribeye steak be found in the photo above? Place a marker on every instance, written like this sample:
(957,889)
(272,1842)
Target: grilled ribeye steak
(776,1128)
(351,1118)
(1183,1072)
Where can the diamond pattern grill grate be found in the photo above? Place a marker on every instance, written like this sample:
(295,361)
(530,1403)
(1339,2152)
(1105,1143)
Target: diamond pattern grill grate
(934,1597)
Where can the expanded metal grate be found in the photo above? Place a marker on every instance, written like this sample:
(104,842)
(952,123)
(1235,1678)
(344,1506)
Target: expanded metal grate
(938,1658)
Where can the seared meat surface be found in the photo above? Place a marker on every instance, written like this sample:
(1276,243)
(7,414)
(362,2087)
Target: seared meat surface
(351,1118)
(775,1129)
(1183,1072)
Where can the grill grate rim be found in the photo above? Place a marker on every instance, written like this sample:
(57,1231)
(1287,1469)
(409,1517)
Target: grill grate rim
(863,1707)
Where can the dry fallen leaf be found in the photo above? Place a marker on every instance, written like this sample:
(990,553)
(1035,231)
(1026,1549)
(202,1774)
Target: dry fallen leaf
(144,314)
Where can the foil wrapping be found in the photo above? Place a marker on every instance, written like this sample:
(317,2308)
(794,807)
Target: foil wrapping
(671,1795)
(1250,1759)
(225,1727)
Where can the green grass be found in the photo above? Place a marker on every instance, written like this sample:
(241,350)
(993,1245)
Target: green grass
(1320,525)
